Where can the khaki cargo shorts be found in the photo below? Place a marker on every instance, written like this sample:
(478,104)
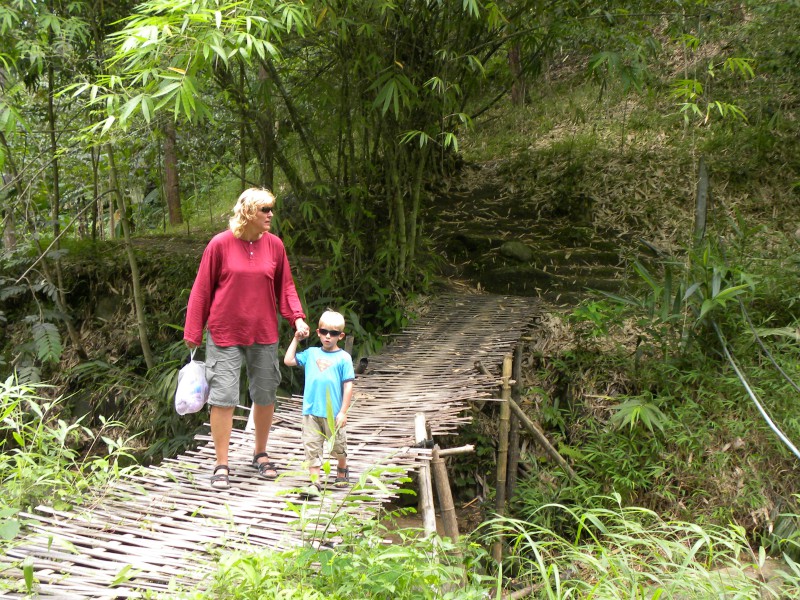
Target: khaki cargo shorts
(224,367)
(315,433)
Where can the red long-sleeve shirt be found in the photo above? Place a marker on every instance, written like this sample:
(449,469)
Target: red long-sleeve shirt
(239,288)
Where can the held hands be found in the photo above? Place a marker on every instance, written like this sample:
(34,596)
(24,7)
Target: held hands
(301,327)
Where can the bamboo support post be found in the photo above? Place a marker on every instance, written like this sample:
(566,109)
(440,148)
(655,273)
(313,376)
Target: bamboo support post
(513,432)
(541,439)
(446,506)
(502,450)
(538,435)
(426,507)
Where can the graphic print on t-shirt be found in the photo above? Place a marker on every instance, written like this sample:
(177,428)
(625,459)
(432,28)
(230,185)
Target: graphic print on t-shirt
(323,363)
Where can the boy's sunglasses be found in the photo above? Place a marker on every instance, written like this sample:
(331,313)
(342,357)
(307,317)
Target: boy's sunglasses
(267,209)
(332,332)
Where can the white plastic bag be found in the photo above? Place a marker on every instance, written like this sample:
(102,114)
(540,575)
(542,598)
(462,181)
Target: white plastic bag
(192,391)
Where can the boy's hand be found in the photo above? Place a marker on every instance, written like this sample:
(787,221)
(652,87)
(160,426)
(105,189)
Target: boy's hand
(301,326)
(300,335)
(341,419)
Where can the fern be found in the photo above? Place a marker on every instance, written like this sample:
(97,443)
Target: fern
(48,344)
(28,374)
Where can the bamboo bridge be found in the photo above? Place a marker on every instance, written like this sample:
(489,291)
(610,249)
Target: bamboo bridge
(163,529)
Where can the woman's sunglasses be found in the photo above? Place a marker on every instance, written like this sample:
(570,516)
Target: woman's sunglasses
(267,209)
(332,332)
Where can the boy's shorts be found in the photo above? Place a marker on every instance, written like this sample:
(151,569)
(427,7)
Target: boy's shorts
(315,432)
(224,367)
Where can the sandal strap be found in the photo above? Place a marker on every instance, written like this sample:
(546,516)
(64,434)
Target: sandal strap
(218,467)
(260,455)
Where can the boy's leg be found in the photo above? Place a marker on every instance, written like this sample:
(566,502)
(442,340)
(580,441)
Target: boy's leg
(339,451)
(313,440)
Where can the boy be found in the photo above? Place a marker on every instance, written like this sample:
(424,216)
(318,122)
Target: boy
(328,378)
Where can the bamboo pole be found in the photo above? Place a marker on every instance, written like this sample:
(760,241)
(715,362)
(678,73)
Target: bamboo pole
(426,507)
(541,438)
(513,432)
(538,435)
(446,506)
(460,450)
(502,451)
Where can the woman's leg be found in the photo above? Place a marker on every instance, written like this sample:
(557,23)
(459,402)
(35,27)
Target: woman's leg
(223,365)
(264,376)
(221,425)
(262,419)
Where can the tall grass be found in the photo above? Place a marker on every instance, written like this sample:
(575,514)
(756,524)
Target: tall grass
(628,552)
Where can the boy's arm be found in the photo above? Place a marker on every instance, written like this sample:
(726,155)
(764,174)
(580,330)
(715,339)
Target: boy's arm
(289,358)
(347,395)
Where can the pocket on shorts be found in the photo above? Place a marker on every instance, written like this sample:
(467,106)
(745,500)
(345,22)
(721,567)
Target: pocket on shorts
(210,364)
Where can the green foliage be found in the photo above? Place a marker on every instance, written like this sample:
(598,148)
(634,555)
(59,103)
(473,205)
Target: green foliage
(621,552)
(47,459)
(39,354)
(637,411)
(361,565)
(598,314)
(47,341)
(663,420)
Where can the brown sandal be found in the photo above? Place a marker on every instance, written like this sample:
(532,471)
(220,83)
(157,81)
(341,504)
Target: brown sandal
(342,477)
(311,492)
(221,481)
(266,469)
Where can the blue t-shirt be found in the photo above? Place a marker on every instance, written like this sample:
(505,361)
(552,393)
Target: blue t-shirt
(325,373)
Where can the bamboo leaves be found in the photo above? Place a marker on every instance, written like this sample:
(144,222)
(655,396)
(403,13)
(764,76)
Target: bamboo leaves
(637,410)
(394,89)
(166,54)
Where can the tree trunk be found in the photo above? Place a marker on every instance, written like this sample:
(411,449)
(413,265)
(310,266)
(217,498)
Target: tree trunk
(297,123)
(56,214)
(517,75)
(242,132)
(51,123)
(399,210)
(138,299)
(416,194)
(10,229)
(171,186)
(96,212)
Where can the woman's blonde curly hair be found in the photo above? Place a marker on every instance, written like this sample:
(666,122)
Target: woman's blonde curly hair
(246,207)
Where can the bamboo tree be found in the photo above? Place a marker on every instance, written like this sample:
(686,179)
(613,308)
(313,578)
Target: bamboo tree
(138,297)
(171,187)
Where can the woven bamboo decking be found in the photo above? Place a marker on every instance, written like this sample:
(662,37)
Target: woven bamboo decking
(165,528)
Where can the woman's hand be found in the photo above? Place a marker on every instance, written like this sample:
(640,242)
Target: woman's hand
(301,327)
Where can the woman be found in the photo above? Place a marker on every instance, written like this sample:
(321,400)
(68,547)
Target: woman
(243,280)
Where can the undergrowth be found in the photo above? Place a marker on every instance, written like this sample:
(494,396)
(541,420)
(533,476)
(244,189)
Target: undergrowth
(639,394)
(46,459)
